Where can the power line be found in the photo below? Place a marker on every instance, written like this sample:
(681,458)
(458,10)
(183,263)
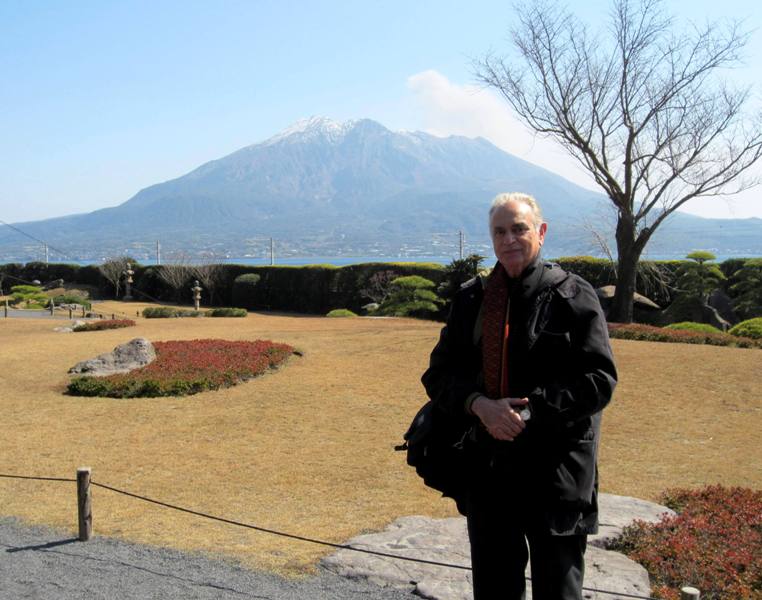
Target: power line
(43,242)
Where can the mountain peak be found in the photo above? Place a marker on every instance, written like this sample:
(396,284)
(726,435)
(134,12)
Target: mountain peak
(313,128)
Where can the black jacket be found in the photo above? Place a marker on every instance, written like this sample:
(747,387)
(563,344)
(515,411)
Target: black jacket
(560,358)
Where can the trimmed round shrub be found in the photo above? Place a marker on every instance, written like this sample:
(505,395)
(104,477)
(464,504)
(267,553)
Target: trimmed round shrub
(227,312)
(691,326)
(751,328)
(160,312)
(244,289)
(341,312)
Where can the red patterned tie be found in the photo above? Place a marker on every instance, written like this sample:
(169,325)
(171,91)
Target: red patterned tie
(495,334)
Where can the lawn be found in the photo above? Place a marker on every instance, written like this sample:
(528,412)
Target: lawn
(308,449)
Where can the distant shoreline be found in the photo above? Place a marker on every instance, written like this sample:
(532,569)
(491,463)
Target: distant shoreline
(339,261)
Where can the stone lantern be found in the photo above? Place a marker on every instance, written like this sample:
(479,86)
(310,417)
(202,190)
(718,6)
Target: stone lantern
(128,273)
(196,289)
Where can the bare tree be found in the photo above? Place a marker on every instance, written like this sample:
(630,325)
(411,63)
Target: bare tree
(644,110)
(379,286)
(113,269)
(175,273)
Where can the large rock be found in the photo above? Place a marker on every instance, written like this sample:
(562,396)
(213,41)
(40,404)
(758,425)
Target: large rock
(124,358)
(446,541)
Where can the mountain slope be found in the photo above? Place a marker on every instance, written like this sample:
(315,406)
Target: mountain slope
(322,187)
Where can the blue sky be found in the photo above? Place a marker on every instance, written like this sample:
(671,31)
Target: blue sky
(101,99)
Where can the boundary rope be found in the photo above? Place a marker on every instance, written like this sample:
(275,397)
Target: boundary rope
(291,535)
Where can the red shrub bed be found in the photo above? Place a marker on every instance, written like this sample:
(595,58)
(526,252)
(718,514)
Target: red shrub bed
(105,324)
(714,544)
(188,367)
(649,333)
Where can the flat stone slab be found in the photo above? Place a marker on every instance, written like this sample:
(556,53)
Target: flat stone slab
(618,511)
(446,541)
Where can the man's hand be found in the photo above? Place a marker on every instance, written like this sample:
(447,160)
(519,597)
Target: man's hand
(499,417)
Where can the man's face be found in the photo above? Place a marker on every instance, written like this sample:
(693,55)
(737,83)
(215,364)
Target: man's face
(515,238)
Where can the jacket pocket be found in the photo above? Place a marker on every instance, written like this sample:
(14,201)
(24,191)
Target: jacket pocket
(574,476)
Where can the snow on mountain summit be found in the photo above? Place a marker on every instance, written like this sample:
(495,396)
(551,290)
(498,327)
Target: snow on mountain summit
(313,128)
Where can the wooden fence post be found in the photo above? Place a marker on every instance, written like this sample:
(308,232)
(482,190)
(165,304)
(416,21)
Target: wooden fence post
(689,593)
(84,507)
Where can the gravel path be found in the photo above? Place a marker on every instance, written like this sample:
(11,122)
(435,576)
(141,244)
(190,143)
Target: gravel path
(43,564)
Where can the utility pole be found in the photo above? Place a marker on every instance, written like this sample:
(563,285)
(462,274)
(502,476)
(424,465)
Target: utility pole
(158,252)
(47,255)
(272,252)
(462,239)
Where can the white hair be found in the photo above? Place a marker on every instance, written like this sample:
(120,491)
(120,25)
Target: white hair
(503,199)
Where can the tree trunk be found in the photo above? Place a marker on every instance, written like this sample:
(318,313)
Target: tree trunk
(628,254)
(621,306)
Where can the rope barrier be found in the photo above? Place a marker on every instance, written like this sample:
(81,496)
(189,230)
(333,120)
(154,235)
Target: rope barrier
(291,535)
(38,478)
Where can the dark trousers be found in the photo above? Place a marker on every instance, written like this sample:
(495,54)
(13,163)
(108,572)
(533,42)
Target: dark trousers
(499,554)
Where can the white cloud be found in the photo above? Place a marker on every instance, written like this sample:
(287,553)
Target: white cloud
(447,108)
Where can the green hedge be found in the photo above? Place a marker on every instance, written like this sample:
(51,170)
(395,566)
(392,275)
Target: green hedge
(226,312)
(317,289)
(168,312)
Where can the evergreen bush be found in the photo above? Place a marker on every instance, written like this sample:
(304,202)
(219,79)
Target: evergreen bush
(691,326)
(341,312)
(31,296)
(71,299)
(227,312)
(412,296)
(245,289)
(752,328)
(747,289)
(160,312)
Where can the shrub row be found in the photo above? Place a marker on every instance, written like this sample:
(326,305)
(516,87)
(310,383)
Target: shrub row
(105,324)
(714,543)
(649,333)
(320,288)
(168,312)
(188,367)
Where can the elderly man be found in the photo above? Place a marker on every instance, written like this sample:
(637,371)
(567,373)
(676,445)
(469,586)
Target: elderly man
(524,359)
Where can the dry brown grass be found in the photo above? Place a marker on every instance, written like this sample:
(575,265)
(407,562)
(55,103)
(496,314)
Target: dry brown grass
(308,449)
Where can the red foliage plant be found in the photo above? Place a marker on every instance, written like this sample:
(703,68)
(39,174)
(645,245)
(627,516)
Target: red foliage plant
(649,333)
(714,543)
(105,324)
(188,367)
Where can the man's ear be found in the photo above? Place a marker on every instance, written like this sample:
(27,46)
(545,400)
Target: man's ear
(541,233)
